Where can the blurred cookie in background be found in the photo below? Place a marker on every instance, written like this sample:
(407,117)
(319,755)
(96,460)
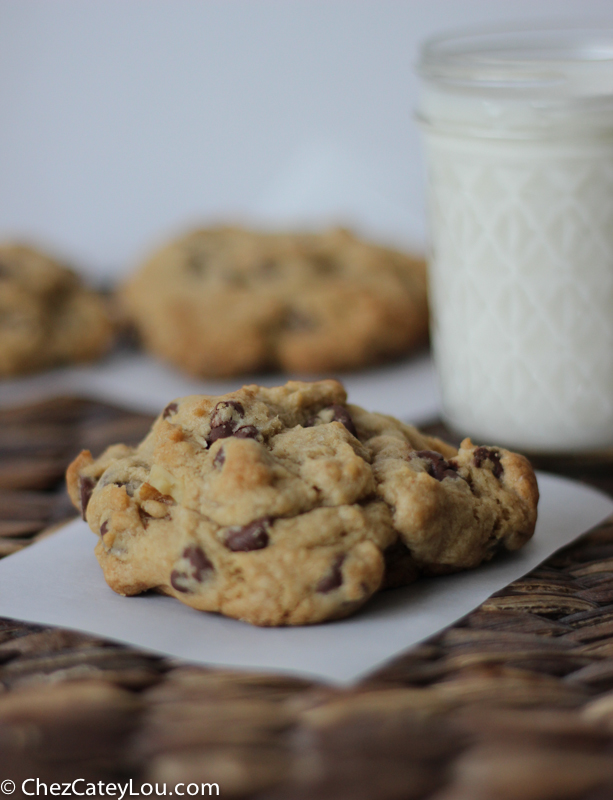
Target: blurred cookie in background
(225,301)
(47,316)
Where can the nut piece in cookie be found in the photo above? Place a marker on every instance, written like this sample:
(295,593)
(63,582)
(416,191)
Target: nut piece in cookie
(288,506)
(226,301)
(47,317)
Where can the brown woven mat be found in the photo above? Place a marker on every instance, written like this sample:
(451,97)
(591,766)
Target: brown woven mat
(514,701)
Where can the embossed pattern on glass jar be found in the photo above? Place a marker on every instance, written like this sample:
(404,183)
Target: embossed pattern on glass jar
(518,127)
(522,288)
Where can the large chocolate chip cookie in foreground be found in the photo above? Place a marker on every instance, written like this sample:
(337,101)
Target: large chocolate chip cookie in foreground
(287,506)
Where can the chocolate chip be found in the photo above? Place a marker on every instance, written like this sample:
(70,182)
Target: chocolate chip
(482,454)
(225,410)
(224,424)
(342,415)
(220,459)
(220,432)
(177,581)
(235,405)
(246,432)
(86,487)
(339,414)
(199,569)
(253,536)
(171,408)
(201,564)
(437,466)
(104,528)
(333,579)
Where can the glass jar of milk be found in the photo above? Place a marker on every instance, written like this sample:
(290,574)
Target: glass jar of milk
(519,142)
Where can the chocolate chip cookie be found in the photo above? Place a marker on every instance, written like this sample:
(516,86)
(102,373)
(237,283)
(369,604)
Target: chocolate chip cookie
(47,317)
(228,301)
(287,506)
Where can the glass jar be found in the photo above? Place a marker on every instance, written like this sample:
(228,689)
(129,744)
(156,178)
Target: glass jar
(518,129)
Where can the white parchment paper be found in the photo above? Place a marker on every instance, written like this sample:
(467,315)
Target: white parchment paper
(58,582)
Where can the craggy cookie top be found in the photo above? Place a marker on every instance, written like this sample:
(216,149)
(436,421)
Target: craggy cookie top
(288,506)
(47,317)
(226,301)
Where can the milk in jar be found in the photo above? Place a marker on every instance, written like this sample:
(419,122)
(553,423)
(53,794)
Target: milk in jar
(518,130)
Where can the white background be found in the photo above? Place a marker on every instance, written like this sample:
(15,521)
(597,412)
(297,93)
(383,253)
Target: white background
(123,120)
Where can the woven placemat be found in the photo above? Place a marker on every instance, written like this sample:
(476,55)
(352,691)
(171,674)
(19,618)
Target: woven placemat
(514,701)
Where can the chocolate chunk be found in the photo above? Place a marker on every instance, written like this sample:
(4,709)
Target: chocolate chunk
(333,579)
(177,581)
(246,432)
(201,564)
(171,408)
(253,536)
(220,432)
(342,415)
(220,459)
(104,527)
(482,454)
(86,487)
(339,414)
(199,569)
(224,424)
(225,410)
(437,466)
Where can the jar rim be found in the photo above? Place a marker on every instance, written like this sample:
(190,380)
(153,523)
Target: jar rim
(570,60)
